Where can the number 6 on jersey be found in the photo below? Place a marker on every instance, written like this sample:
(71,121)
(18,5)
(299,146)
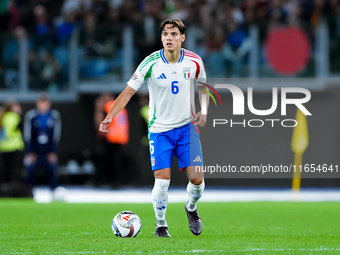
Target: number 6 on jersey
(174,88)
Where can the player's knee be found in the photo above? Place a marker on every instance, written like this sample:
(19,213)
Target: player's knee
(196,181)
(162,174)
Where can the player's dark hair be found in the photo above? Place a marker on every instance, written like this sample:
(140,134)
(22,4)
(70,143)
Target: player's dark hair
(175,22)
(43,96)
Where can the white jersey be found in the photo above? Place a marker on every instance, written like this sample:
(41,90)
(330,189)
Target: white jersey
(169,88)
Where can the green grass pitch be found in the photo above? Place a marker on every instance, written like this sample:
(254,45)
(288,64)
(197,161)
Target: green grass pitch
(228,228)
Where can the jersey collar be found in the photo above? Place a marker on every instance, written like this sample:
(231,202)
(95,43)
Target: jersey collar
(166,61)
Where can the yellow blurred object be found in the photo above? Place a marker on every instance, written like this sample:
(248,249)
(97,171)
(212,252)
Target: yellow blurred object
(299,144)
(300,133)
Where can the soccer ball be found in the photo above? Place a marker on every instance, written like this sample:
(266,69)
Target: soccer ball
(126,224)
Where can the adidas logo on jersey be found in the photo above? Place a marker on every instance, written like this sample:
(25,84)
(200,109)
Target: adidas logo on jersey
(197,159)
(162,76)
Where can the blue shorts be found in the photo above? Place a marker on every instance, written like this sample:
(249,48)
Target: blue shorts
(183,142)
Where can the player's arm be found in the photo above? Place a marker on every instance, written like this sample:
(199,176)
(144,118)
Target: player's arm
(117,106)
(201,117)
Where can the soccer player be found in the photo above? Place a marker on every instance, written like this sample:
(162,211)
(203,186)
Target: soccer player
(173,127)
(42,130)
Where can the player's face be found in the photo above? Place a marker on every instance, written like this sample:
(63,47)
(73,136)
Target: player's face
(172,38)
(43,106)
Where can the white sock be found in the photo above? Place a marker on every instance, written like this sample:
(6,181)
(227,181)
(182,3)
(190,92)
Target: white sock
(160,200)
(194,194)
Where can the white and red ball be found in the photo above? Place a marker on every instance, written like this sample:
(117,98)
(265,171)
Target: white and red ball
(126,224)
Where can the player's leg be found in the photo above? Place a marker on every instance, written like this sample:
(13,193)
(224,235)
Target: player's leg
(161,153)
(30,162)
(195,190)
(51,166)
(190,158)
(52,169)
(160,200)
(195,186)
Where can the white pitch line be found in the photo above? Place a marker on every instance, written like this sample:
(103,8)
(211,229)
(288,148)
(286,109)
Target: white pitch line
(79,195)
(190,251)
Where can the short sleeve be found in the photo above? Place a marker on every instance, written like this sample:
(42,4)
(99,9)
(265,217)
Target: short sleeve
(141,74)
(136,80)
(201,77)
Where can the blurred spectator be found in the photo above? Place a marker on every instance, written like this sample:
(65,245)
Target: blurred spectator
(99,8)
(276,14)
(255,12)
(237,47)
(10,57)
(213,43)
(89,36)
(34,70)
(180,10)
(9,15)
(11,149)
(111,32)
(11,141)
(50,74)
(133,17)
(10,54)
(4,14)
(153,17)
(307,8)
(293,13)
(218,29)
(112,166)
(99,50)
(78,6)
(193,12)
(131,12)
(112,27)
(237,44)
(334,8)
(65,26)
(43,68)
(115,3)
(42,130)
(14,15)
(43,29)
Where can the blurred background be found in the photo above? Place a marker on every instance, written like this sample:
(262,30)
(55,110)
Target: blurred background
(82,51)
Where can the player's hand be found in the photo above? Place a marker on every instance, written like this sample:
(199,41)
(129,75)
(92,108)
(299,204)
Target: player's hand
(52,157)
(30,159)
(103,127)
(200,120)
